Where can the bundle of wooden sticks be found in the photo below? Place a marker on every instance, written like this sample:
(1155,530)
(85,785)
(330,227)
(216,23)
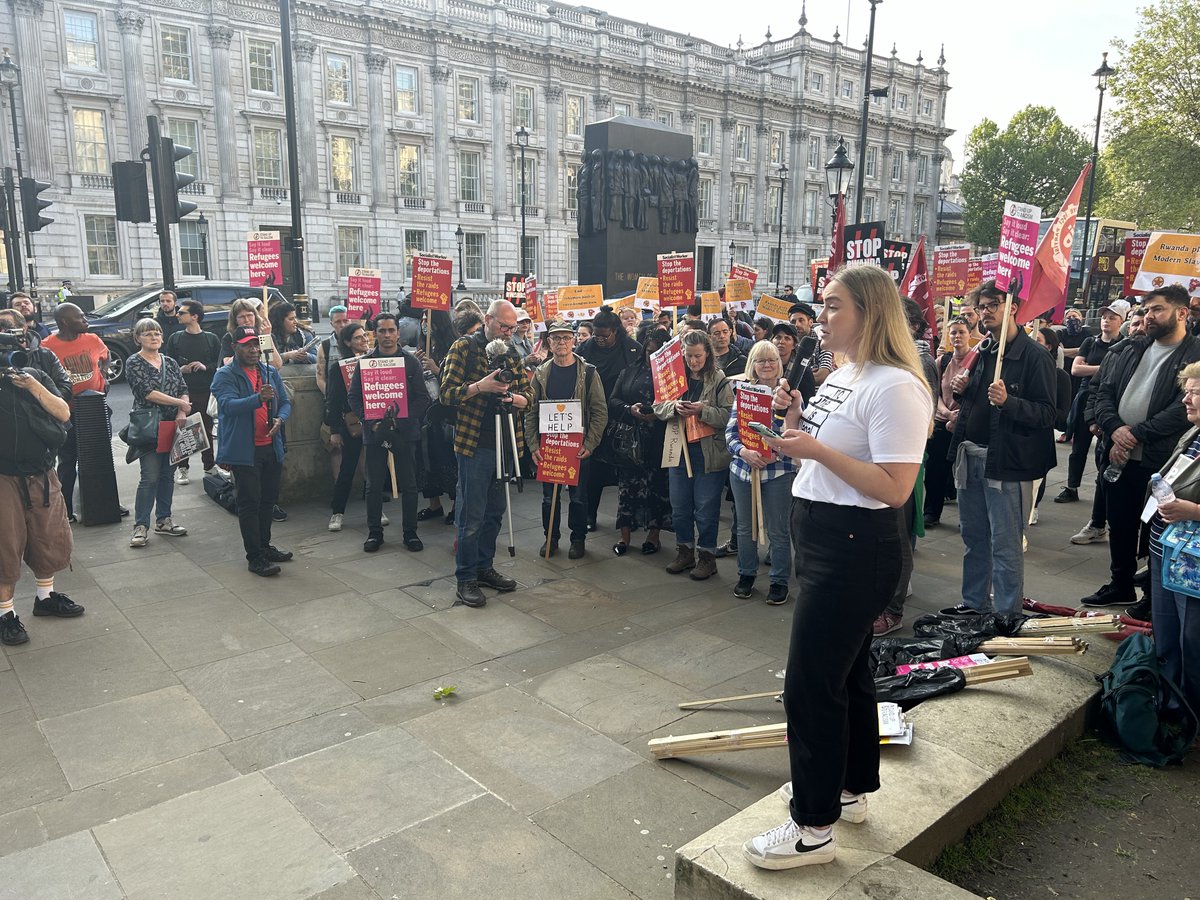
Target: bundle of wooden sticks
(1070,625)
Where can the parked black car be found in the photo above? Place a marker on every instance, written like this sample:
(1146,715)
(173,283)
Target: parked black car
(113,322)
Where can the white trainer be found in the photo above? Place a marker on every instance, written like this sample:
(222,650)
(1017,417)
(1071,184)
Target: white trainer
(854,806)
(383,519)
(1089,534)
(181,476)
(789,846)
(335,522)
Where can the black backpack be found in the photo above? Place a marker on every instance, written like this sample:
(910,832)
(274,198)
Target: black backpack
(36,436)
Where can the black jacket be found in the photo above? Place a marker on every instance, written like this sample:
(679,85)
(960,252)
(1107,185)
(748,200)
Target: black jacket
(1166,418)
(1021,433)
(408,428)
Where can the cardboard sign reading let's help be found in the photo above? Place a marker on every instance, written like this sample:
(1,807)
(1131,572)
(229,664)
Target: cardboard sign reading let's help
(560,458)
(384,386)
(560,416)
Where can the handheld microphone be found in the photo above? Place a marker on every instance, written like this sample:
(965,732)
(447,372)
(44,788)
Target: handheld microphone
(499,356)
(802,360)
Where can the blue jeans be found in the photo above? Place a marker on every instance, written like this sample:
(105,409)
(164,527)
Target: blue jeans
(992,524)
(1176,619)
(480,510)
(696,503)
(777,505)
(155,490)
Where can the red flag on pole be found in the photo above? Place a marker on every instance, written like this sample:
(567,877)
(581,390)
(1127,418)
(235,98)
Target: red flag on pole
(1052,261)
(915,284)
(837,258)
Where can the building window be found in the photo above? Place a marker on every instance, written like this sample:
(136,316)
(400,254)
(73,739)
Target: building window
(872,161)
(187,133)
(91,141)
(705,137)
(814,153)
(667,118)
(923,169)
(575,114)
(260,56)
(268,157)
(927,107)
(847,89)
(868,208)
(815,253)
(622,109)
(176,52)
(523,107)
(897,165)
(816,82)
(573,186)
(469,188)
(741,192)
(772,210)
(812,208)
(742,145)
(704,206)
(338,83)
(573,260)
(529,256)
(191,250)
(408,171)
(919,218)
(468,99)
(82,32)
(407,90)
(773,264)
(100,238)
(525,190)
(776,148)
(474,256)
(902,101)
(349,249)
(341,163)
(893,219)
(415,241)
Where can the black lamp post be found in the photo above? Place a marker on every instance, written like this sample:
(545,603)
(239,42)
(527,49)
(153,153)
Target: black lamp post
(783,174)
(732,250)
(1101,75)
(937,231)
(461,238)
(838,168)
(866,110)
(522,142)
(202,227)
(10,77)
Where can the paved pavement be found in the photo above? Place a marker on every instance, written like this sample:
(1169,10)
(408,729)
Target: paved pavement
(201,732)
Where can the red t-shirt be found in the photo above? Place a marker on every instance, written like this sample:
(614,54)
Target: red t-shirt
(81,358)
(262,417)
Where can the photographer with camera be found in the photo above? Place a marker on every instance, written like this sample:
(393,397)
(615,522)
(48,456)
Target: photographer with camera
(19,334)
(33,517)
(476,383)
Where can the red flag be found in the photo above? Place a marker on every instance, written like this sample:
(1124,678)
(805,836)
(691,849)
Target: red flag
(1052,261)
(837,257)
(915,284)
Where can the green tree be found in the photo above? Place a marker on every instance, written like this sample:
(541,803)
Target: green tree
(1036,159)
(1152,159)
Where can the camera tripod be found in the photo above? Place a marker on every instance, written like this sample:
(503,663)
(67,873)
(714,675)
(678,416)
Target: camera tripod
(508,461)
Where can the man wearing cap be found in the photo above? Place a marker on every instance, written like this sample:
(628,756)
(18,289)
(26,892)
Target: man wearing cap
(251,409)
(522,339)
(64,293)
(1086,366)
(802,317)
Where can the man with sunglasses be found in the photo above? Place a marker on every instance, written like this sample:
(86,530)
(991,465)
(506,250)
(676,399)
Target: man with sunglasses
(1003,442)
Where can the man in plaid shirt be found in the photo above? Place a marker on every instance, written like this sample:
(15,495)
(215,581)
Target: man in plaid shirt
(475,389)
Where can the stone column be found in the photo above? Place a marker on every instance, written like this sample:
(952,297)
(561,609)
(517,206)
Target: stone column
(553,203)
(306,119)
(764,216)
(725,201)
(441,139)
(376,66)
(220,37)
(502,145)
(130,22)
(35,143)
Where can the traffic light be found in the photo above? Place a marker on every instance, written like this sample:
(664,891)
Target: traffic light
(172,182)
(32,205)
(129,188)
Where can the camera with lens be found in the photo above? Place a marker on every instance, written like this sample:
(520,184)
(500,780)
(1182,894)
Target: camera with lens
(12,350)
(502,356)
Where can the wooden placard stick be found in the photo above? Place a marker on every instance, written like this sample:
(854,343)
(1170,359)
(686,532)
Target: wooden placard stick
(753,505)
(761,521)
(687,453)
(550,524)
(1003,336)
(392,471)
(700,704)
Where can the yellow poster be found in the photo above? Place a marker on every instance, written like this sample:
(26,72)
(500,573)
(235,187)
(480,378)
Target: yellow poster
(577,302)
(738,294)
(710,305)
(772,308)
(1170,259)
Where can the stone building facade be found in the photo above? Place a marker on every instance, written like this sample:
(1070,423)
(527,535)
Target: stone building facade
(406,113)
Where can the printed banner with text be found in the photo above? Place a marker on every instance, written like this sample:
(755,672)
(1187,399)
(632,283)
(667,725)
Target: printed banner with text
(560,457)
(1018,245)
(364,292)
(1135,251)
(432,282)
(738,294)
(743,271)
(753,405)
(710,305)
(646,295)
(864,244)
(384,386)
(950,264)
(772,308)
(668,372)
(895,258)
(1170,258)
(578,302)
(265,256)
(676,279)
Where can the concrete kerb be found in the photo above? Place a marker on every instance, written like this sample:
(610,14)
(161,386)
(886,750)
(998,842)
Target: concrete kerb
(969,751)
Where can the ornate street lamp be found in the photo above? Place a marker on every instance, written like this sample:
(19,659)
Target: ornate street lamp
(202,227)
(522,142)
(837,169)
(732,250)
(1101,75)
(783,175)
(460,236)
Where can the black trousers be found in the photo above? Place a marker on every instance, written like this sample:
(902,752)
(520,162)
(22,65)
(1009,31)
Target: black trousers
(937,471)
(1081,442)
(257,491)
(406,479)
(848,562)
(599,475)
(68,465)
(351,452)
(1123,501)
(575,499)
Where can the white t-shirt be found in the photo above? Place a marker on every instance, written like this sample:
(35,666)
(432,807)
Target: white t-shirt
(877,414)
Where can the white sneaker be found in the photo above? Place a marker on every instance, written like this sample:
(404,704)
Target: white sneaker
(383,519)
(854,806)
(1090,534)
(1033,518)
(214,470)
(789,845)
(335,522)
(181,476)
(140,536)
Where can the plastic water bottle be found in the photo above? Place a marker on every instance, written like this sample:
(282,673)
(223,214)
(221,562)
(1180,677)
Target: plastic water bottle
(1112,472)
(1161,489)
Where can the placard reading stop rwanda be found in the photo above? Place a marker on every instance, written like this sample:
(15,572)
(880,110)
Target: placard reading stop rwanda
(1018,244)
(384,386)
(864,244)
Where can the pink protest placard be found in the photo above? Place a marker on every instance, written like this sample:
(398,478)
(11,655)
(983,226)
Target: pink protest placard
(265,258)
(384,386)
(1018,244)
(364,293)
(348,367)
(432,282)
(988,263)
(753,406)
(676,279)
